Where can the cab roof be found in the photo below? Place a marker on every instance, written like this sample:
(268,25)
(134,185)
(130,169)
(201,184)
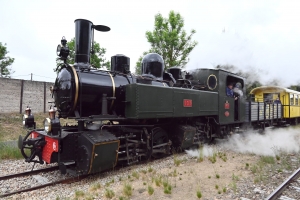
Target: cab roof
(273,89)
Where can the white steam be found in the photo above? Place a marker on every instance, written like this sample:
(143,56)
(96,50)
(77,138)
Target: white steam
(238,91)
(206,151)
(269,144)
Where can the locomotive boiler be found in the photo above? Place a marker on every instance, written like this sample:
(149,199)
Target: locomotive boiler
(80,91)
(122,118)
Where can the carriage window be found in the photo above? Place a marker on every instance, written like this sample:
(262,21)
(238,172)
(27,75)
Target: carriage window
(268,97)
(296,100)
(291,99)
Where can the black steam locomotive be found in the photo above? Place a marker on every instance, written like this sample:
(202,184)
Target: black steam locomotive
(123,118)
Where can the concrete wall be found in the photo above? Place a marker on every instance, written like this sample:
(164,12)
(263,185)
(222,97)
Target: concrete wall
(16,95)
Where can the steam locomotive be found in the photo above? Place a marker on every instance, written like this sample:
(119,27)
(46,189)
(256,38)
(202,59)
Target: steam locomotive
(123,118)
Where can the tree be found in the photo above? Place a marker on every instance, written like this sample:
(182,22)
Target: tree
(5,61)
(170,40)
(295,87)
(97,59)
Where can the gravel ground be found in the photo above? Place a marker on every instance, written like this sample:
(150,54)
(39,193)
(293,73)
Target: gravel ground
(190,176)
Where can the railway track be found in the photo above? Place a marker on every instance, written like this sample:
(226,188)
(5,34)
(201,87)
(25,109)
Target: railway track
(61,181)
(292,184)
(34,172)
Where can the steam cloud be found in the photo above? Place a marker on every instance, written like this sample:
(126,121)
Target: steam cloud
(284,139)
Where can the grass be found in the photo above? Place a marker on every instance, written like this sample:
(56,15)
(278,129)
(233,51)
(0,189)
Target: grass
(150,169)
(258,178)
(234,177)
(158,181)
(150,190)
(224,190)
(177,161)
(165,183)
(174,173)
(109,193)
(213,157)
(201,154)
(10,152)
(95,187)
(247,166)
(270,164)
(267,159)
(11,125)
(222,155)
(168,189)
(217,176)
(127,189)
(79,194)
(254,169)
(199,194)
(233,186)
(135,174)
(109,182)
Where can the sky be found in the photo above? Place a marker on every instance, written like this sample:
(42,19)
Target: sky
(259,35)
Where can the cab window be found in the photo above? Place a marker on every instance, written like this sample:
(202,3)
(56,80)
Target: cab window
(296,100)
(237,84)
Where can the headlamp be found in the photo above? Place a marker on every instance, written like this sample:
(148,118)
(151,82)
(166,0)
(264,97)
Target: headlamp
(47,125)
(24,119)
(28,119)
(52,124)
(58,49)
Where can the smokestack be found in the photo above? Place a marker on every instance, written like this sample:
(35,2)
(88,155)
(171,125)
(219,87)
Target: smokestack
(83,36)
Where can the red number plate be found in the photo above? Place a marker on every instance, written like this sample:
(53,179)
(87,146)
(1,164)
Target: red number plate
(187,103)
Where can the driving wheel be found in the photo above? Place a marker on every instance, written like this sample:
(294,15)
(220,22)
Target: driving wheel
(159,137)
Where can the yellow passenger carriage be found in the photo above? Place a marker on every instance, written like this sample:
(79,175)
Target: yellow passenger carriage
(289,99)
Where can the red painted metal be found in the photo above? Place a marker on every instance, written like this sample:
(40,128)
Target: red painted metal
(50,147)
(34,135)
(226,105)
(226,113)
(187,103)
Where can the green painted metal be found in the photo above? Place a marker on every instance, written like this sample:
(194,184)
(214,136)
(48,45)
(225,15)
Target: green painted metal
(223,78)
(98,151)
(182,136)
(148,101)
(104,156)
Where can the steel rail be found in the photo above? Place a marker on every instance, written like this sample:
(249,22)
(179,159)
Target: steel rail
(63,181)
(282,187)
(28,173)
